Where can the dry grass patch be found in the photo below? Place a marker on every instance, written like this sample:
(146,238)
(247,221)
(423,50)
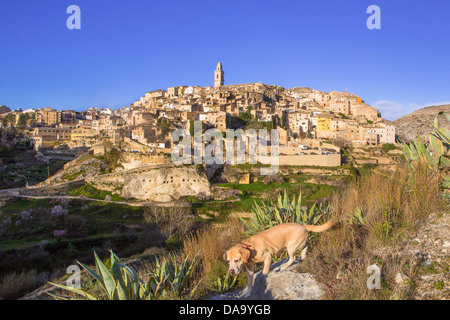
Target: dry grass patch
(380,210)
(211,242)
(13,285)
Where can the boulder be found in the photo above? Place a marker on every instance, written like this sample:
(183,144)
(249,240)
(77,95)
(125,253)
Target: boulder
(279,285)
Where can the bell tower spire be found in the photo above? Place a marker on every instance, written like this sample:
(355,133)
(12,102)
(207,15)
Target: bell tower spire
(219,79)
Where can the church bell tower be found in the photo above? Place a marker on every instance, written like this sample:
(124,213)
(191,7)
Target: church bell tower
(219,79)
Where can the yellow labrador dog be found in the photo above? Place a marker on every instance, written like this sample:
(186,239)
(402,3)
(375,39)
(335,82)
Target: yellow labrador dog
(264,245)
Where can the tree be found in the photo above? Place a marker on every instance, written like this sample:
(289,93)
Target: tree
(10,119)
(192,127)
(388,147)
(283,122)
(246,116)
(164,125)
(23,120)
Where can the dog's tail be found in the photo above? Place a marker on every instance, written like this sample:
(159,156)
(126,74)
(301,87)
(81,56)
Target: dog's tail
(321,228)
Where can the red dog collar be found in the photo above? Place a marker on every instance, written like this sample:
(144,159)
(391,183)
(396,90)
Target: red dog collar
(247,246)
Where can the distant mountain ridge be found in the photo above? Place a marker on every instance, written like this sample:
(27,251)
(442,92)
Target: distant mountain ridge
(416,123)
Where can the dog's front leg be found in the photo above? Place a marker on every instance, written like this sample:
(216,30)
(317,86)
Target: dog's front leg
(250,268)
(267,264)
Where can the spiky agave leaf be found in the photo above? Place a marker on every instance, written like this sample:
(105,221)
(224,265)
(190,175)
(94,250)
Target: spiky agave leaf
(71,289)
(108,280)
(442,133)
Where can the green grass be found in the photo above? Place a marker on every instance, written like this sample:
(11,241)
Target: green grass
(24,204)
(89,191)
(73,176)
(101,220)
(318,192)
(311,192)
(17,244)
(252,187)
(224,208)
(30,171)
(84,158)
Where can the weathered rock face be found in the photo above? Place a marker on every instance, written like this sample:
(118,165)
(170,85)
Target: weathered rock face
(279,285)
(135,160)
(166,184)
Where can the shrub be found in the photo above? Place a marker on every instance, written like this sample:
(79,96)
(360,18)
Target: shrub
(26,215)
(76,226)
(388,147)
(58,211)
(59,233)
(13,285)
(174,221)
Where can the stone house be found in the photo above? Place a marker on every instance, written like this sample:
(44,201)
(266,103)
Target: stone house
(363,110)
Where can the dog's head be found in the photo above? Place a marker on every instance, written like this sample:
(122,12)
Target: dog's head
(236,257)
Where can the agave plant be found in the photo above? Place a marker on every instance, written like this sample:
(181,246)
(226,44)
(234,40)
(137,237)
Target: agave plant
(282,211)
(121,282)
(441,133)
(432,152)
(356,218)
(224,284)
(170,275)
(446,186)
(118,281)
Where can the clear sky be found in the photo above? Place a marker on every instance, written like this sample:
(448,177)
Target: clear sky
(127,48)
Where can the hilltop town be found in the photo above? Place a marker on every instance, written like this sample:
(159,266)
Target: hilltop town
(101,178)
(301,115)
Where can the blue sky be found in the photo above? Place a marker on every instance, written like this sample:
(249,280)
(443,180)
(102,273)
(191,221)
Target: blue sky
(127,48)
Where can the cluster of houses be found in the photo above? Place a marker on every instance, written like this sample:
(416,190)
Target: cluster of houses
(298,114)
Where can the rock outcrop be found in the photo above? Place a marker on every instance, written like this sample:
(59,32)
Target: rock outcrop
(279,285)
(166,184)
